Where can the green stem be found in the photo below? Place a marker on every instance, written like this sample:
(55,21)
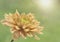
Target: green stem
(12,40)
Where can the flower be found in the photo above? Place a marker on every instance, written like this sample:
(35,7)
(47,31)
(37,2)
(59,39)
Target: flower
(22,25)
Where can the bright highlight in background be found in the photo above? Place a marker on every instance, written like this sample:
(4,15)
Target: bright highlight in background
(45,4)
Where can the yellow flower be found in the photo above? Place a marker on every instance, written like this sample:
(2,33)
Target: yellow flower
(22,25)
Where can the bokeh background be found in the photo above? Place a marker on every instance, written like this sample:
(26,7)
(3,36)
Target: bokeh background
(46,11)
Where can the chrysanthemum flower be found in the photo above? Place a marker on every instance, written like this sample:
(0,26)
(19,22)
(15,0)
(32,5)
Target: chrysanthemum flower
(22,25)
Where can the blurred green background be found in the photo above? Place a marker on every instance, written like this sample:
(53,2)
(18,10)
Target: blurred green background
(49,18)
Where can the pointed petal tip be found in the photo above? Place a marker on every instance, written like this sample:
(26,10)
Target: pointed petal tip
(17,11)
